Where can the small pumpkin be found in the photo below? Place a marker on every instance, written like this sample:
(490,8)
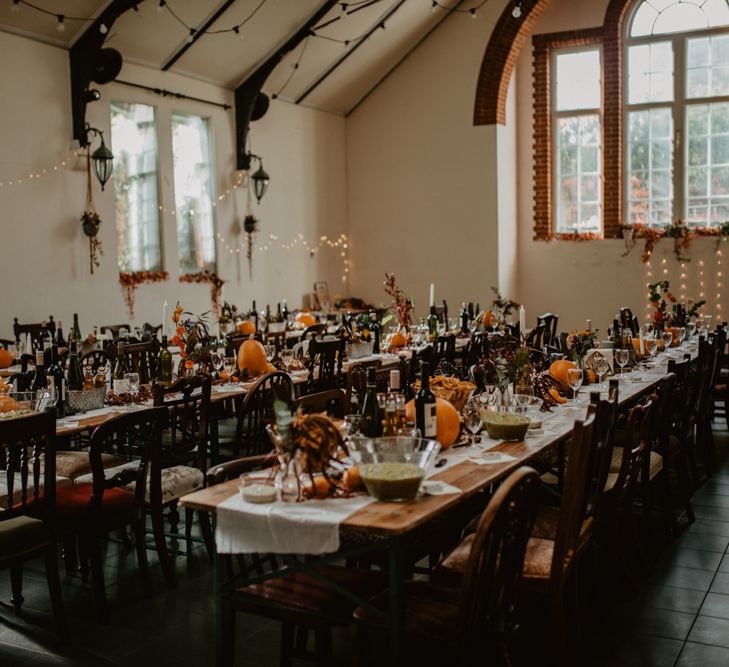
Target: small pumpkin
(6,358)
(305,319)
(8,404)
(558,370)
(246,327)
(252,357)
(447,421)
(352,479)
(398,339)
(322,487)
(488,319)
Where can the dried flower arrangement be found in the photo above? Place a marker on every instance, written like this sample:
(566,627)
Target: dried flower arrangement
(216,285)
(129,282)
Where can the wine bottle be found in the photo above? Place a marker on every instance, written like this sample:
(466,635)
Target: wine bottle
(464,318)
(76,329)
(425,404)
(432,324)
(45,336)
(445,314)
(394,381)
(268,317)
(164,364)
(279,315)
(254,314)
(285,311)
(56,381)
(40,381)
(59,335)
(588,325)
(470,310)
(75,374)
(370,410)
(120,385)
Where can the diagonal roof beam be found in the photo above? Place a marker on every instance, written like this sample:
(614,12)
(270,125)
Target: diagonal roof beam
(247,93)
(199,32)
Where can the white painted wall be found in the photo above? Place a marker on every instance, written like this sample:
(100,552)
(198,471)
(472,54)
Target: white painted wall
(43,254)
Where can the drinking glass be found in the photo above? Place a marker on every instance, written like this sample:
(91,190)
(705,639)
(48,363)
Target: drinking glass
(601,367)
(17,349)
(287,356)
(230,365)
(441,328)
(352,424)
(651,346)
(574,378)
(472,416)
(217,361)
(453,323)
(270,351)
(133,381)
(682,336)
(667,338)
(523,394)
(622,357)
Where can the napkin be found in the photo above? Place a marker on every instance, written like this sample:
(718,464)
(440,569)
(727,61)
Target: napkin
(432,487)
(487,458)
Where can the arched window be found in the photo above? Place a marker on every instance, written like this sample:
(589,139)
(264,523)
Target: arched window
(676,121)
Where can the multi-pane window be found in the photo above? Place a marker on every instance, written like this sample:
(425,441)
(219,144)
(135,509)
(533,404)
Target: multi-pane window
(134,143)
(578,140)
(193,173)
(677,112)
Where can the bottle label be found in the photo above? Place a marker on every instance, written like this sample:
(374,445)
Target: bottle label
(63,389)
(121,386)
(429,422)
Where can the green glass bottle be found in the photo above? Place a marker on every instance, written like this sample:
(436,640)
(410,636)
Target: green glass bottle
(371,425)
(76,329)
(432,324)
(164,365)
(75,374)
(119,384)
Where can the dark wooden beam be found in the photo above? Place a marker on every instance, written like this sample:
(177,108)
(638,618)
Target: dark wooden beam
(247,93)
(199,32)
(83,57)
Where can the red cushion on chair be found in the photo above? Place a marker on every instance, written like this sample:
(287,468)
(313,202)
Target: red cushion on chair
(118,506)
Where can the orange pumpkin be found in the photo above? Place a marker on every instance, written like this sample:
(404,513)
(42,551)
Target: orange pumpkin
(558,370)
(488,319)
(447,421)
(352,480)
(252,357)
(6,358)
(8,404)
(322,487)
(675,336)
(398,339)
(304,319)
(246,327)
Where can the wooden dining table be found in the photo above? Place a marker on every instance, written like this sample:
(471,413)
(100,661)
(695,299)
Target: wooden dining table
(391,523)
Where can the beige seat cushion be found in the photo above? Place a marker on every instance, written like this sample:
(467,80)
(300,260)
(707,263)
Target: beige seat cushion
(656,464)
(60,482)
(75,464)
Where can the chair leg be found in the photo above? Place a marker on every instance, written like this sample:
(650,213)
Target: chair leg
(54,590)
(69,555)
(141,547)
(207,532)
(287,643)
(16,584)
(83,559)
(160,542)
(93,548)
(664,499)
(189,516)
(684,484)
(323,644)
(228,633)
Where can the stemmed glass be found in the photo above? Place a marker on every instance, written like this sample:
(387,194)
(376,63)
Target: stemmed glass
(472,416)
(601,366)
(441,328)
(682,336)
(651,347)
(133,383)
(453,323)
(287,356)
(270,351)
(574,378)
(667,338)
(622,357)
(230,364)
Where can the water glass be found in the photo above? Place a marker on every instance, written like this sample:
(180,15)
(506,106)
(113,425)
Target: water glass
(667,338)
(270,351)
(622,357)
(230,365)
(287,356)
(352,424)
(472,417)
(132,380)
(453,323)
(574,378)
(601,366)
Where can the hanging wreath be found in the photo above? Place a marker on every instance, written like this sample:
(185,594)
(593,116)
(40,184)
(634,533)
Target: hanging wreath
(681,233)
(216,285)
(131,280)
(90,220)
(250,227)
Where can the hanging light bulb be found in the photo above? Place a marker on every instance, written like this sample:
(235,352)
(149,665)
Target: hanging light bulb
(61,27)
(434,7)
(516,12)
(191,37)
(472,12)
(237,32)
(15,6)
(103,29)
(161,5)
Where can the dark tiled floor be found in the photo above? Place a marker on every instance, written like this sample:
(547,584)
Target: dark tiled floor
(680,615)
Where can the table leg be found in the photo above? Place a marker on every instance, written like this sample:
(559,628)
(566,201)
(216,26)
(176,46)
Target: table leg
(214,411)
(397,607)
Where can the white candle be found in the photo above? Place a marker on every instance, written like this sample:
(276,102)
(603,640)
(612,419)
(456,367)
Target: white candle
(522,320)
(164,318)
(432,294)
(640,335)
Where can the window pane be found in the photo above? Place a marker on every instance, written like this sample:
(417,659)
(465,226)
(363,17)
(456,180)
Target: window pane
(579,191)
(134,144)
(578,80)
(708,66)
(655,17)
(707,175)
(650,166)
(192,158)
(650,73)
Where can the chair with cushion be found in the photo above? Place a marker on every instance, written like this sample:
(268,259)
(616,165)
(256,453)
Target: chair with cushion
(114,499)
(141,358)
(470,624)
(324,364)
(24,537)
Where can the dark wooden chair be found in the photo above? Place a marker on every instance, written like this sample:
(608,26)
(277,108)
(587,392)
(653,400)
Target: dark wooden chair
(278,339)
(233,342)
(23,381)
(116,330)
(336,399)
(183,462)
(255,412)
(141,358)
(114,498)
(324,364)
(444,351)
(549,320)
(470,624)
(27,490)
(314,330)
(34,330)
(94,359)
(150,331)
(357,380)
(710,353)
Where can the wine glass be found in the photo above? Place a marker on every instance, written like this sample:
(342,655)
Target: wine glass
(453,323)
(523,393)
(441,328)
(352,424)
(472,416)
(287,356)
(667,338)
(230,364)
(133,382)
(651,346)
(622,357)
(682,336)
(574,379)
(270,351)
(601,366)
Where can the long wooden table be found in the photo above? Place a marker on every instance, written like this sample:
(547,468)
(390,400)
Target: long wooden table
(393,521)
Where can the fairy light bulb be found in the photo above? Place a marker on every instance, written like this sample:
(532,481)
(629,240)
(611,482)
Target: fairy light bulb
(61,27)
(15,6)
(433,8)
(516,12)
(161,6)
(472,12)
(103,29)
(191,37)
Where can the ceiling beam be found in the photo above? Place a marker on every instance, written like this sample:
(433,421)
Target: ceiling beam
(330,70)
(199,32)
(247,92)
(82,56)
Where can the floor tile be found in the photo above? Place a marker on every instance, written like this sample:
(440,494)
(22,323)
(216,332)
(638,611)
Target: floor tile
(703,542)
(673,599)
(711,500)
(720,528)
(663,623)
(701,655)
(720,583)
(724,565)
(710,630)
(696,558)
(637,651)
(683,577)
(716,605)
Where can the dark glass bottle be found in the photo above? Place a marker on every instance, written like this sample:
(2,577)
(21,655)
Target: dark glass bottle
(464,318)
(60,341)
(120,370)
(285,311)
(164,364)
(279,315)
(445,314)
(76,329)
(432,324)
(370,410)
(268,317)
(57,381)
(254,314)
(425,404)
(46,337)
(75,374)
(40,381)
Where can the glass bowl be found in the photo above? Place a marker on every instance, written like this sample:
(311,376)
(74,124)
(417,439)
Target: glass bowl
(21,403)
(507,422)
(392,468)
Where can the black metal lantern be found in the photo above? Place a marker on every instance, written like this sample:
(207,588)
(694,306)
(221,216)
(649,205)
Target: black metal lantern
(102,157)
(260,181)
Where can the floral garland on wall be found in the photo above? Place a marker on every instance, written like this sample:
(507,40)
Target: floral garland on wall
(130,280)
(681,233)
(216,285)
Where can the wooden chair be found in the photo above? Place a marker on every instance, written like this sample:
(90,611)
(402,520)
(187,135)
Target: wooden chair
(357,380)
(233,342)
(313,331)
(141,358)
(444,351)
(471,623)
(34,330)
(88,510)
(94,359)
(278,339)
(26,490)
(115,330)
(150,331)
(549,322)
(334,399)
(324,364)
(711,351)
(256,412)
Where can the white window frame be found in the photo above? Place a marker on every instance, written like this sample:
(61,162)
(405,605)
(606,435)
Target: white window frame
(555,116)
